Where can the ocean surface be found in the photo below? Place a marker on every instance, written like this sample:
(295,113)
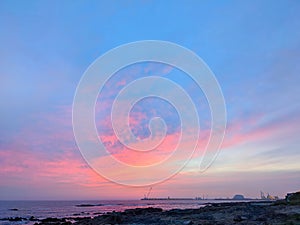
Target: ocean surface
(69,209)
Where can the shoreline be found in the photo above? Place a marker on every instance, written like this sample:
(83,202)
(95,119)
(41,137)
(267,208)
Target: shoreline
(225,213)
(255,213)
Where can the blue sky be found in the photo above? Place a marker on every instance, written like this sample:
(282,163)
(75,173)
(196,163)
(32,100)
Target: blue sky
(253,48)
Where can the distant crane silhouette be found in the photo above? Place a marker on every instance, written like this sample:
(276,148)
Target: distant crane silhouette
(269,197)
(148,194)
(262,195)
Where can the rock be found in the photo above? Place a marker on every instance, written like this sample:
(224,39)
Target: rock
(116,218)
(85,205)
(261,218)
(174,211)
(53,220)
(293,198)
(32,218)
(141,211)
(66,223)
(180,211)
(16,219)
(81,218)
(14,209)
(239,218)
(217,214)
(109,218)
(149,220)
(206,217)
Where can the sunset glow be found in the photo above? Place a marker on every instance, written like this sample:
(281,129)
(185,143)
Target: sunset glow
(252,49)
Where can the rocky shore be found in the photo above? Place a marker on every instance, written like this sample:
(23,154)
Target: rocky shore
(281,212)
(250,213)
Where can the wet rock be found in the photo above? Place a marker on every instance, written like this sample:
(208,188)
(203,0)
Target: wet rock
(85,205)
(14,209)
(16,219)
(32,218)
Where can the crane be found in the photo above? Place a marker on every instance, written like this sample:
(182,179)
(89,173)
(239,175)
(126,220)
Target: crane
(148,194)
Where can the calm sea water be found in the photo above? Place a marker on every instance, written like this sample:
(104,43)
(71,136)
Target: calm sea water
(63,209)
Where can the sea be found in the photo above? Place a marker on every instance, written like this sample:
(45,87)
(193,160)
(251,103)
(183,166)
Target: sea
(71,209)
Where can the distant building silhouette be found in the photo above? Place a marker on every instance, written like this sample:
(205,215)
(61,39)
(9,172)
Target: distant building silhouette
(238,197)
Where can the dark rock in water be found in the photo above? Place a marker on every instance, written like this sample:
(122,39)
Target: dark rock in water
(16,219)
(53,220)
(14,209)
(85,205)
(88,205)
(32,218)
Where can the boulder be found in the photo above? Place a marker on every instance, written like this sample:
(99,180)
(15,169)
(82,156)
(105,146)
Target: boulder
(293,198)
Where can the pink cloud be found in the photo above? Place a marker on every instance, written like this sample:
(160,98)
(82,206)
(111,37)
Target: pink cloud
(254,130)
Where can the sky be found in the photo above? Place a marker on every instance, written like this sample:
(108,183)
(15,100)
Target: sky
(252,47)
